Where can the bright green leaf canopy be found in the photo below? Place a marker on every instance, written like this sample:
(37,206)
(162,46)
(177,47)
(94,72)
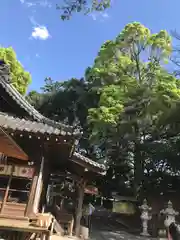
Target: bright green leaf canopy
(19,77)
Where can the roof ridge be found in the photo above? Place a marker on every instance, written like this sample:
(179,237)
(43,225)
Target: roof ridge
(23,103)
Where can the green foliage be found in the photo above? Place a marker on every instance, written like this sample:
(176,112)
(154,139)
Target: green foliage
(120,72)
(35,99)
(50,86)
(136,94)
(127,106)
(69,7)
(19,77)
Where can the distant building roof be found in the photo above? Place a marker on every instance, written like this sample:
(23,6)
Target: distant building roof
(80,158)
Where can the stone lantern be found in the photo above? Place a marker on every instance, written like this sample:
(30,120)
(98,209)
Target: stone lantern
(170,214)
(145,217)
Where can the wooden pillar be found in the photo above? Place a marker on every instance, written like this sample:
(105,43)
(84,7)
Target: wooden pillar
(45,181)
(29,207)
(7,190)
(80,191)
(38,188)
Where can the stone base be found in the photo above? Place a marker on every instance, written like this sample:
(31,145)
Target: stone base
(162,234)
(84,232)
(145,234)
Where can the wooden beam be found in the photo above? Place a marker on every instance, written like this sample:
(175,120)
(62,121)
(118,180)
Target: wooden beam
(29,207)
(67,175)
(38,188)
(10,148)
(45,182)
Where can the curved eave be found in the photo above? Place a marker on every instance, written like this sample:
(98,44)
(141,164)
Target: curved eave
(88,163)
(30,110)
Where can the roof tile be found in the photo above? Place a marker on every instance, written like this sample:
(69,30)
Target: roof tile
(89,161)
(24,104)
(9,122)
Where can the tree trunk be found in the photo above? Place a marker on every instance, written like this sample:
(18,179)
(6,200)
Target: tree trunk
(138,169)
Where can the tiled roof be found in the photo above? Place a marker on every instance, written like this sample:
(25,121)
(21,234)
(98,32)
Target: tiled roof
(24,104)
(82,158)
(17,124)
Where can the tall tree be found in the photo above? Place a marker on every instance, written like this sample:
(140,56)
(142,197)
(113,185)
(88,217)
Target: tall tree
(135,94)
(67,101)
(19,77)
(127,106)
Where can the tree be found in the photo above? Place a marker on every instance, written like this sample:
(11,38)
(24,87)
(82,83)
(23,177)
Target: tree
(19,77)
(136,93)
(50,86)
(69,102)
(36,99)
(74,6)
(127,106)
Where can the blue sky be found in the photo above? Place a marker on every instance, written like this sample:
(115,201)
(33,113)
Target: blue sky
(49,47)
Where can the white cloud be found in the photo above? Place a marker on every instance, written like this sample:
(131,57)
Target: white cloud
(40,32)
(37,55)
